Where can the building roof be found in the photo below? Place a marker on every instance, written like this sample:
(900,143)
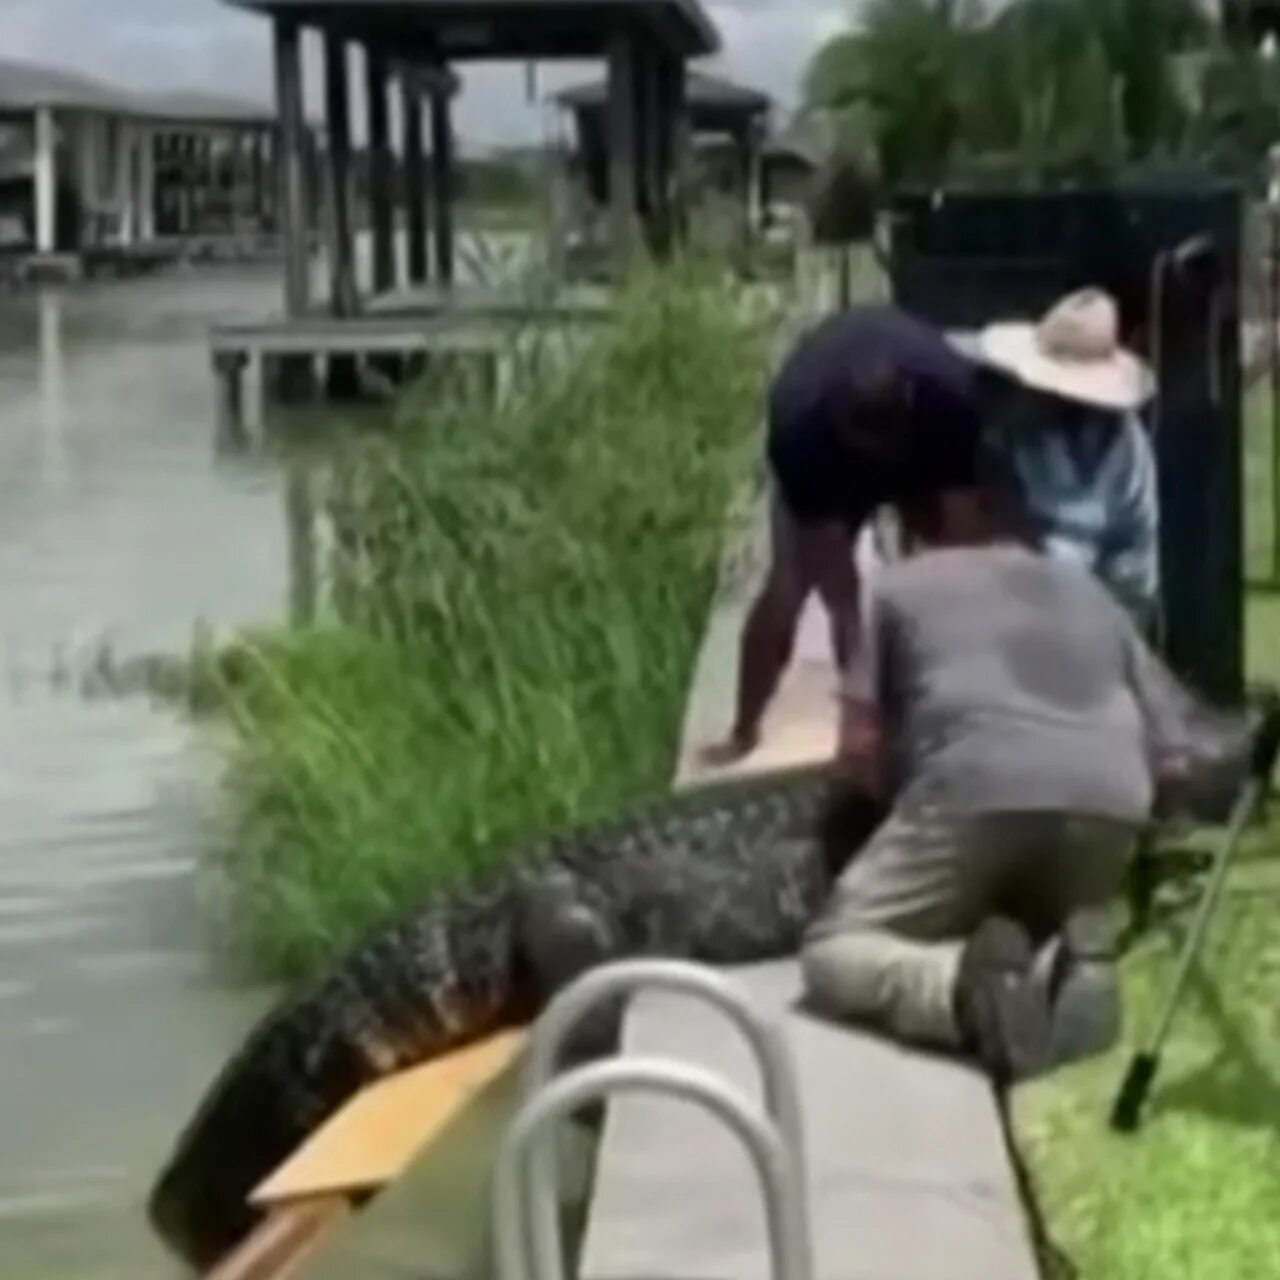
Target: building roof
(456,30)
(203,108)
(705,92)
(27,85)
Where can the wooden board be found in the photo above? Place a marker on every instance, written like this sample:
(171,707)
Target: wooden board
(380,1132)
(286,1239)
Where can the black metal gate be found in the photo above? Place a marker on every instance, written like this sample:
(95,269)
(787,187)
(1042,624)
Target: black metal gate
(1172,258)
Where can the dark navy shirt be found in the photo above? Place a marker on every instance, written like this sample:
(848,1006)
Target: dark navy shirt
(821,477)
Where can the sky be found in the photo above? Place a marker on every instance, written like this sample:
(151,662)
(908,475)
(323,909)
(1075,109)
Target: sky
(202,44)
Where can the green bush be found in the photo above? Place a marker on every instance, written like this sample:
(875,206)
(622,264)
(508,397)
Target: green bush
(523,594)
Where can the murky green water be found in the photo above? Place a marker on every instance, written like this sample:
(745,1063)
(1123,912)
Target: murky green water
(117,523)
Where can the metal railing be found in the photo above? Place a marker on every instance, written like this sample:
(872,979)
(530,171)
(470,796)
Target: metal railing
(526,1197)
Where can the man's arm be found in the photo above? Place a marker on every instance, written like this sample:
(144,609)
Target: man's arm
(1194,749)
(1130,561)
(860,747)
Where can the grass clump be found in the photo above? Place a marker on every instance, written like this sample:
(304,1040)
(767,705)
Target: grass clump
(1194,1192)
(522,597)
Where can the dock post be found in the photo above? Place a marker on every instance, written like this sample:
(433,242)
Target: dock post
(45,180)
(651,153)
(621,116)
(259,180)
(342,380)
(229,367)
(382,208)
(146,185)
(442,176)
(681,147)
(127,181)
(415,179)
(89,182)
(293,196)
(294,374)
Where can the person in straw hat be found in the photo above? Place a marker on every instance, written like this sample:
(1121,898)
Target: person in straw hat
(1062,398)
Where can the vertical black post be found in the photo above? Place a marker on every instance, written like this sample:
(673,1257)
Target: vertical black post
(293,199)
(620,112)
(415,180)
(443,180)
(342,280)
(257,201)
(382,206)
(1273,346)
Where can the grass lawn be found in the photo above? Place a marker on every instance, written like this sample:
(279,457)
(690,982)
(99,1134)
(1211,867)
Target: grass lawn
(1196,1194)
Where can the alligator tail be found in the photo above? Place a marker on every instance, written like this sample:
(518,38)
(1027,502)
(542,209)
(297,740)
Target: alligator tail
(428,986)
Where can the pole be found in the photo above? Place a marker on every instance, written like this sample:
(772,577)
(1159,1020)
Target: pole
(415,179)
(293,196)
(443,182)
(1273,346)
(342,280)
(380,173)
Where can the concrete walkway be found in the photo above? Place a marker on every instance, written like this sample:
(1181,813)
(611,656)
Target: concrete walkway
(908,1172)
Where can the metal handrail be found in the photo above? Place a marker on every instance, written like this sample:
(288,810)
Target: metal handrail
(628,978)
(776,1165)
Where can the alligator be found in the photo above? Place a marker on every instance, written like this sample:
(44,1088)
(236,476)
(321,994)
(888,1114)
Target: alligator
(728,874)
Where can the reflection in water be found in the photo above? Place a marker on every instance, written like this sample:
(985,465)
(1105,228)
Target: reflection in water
(122,524)
(51,385)
(115,525)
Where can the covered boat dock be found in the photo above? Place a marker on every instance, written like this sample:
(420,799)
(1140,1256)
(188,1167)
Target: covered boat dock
(410,51)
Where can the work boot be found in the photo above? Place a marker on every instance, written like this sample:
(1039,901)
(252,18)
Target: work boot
(1002,1012)
(1084,988)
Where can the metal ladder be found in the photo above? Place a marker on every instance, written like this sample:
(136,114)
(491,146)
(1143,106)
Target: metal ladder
(526,1224)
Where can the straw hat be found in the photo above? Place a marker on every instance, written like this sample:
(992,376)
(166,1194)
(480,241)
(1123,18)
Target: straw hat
(1073,352)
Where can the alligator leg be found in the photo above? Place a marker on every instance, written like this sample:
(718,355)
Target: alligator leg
(560,937)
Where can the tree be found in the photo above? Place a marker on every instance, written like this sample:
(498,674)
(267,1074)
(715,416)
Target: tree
(1039,89)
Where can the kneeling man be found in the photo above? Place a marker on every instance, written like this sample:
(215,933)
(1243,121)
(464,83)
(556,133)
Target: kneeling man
(1017,722)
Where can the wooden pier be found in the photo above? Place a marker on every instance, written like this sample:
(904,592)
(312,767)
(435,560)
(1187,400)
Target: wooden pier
(297,359)
(407,51)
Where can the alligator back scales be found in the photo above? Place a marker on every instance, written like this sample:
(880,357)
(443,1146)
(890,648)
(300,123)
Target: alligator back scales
(729,874)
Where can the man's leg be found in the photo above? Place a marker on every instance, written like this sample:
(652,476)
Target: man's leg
(1068,893)
(887,949)
(910,943)
(828,551)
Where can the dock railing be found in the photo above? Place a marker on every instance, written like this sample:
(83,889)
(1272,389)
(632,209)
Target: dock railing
(526,1224)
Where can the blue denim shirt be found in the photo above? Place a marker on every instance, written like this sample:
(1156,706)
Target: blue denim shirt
(1091,490)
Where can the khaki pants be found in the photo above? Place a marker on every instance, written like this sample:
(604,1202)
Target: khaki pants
(886,950)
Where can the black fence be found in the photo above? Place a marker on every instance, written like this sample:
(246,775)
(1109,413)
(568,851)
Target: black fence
(1172,258)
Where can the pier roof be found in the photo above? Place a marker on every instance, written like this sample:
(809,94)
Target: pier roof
(475,30)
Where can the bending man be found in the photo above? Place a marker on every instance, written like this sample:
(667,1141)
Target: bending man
(873,407)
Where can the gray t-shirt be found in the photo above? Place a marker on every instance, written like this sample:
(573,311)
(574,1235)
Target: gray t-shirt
(1011,682)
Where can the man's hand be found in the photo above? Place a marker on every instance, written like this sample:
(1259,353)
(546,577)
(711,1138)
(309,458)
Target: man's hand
(737,746)
(860,749)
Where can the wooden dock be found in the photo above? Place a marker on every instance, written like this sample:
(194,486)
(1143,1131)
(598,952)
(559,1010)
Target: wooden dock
(298,359)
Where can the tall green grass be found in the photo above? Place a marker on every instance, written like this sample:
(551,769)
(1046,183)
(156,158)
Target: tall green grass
(522,596)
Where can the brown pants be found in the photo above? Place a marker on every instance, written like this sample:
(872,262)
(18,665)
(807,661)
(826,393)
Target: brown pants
(887,948)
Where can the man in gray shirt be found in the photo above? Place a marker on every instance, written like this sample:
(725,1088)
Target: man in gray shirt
(1019,725)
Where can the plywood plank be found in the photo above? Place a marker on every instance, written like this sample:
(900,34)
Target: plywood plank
(380,1132)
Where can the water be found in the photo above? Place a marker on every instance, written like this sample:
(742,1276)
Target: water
(117,522)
